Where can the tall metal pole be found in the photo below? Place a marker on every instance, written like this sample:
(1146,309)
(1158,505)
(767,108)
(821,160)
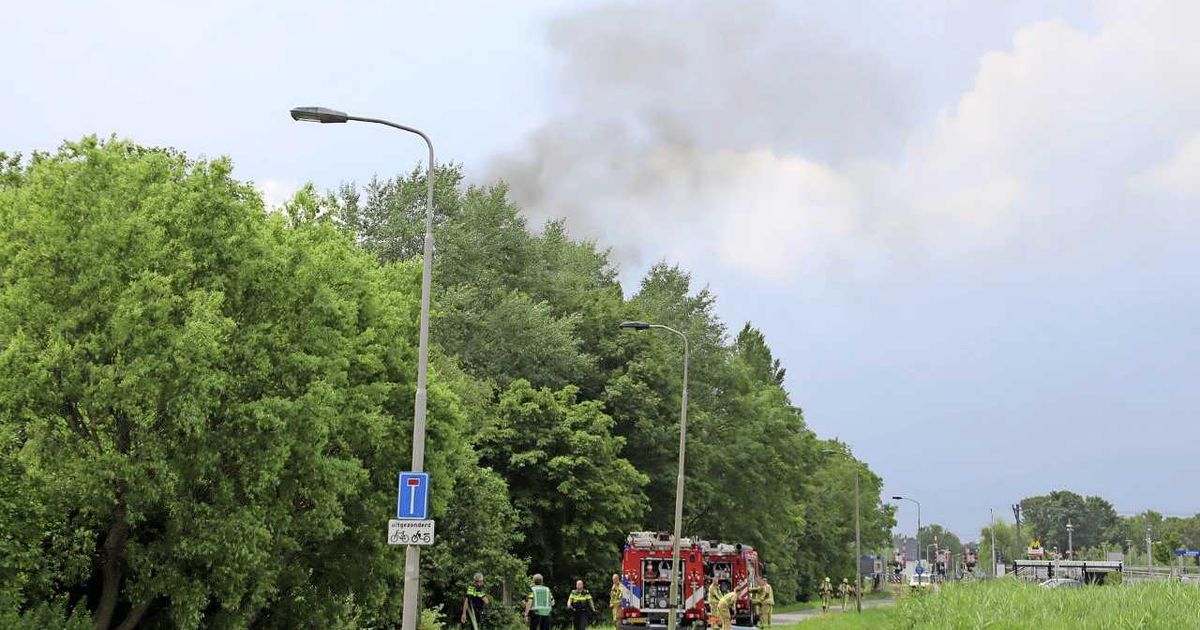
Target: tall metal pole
(992,516)
(676,570)
(1070,541)
(1016,508)
(412,553)
(857,541)
(919,549)
(1149,551)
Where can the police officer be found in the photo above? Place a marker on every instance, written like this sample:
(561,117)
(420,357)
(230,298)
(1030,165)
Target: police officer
(614,600)
(826,594)
(475,603)
(538,603)
(581,604)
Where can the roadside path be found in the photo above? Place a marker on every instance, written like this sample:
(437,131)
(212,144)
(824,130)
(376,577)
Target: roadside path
(792,618)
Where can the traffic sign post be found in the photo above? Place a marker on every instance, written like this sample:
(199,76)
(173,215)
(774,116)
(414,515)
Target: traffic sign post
(412,496)
(410,532)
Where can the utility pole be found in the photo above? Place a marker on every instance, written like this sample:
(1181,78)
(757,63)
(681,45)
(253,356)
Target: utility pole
(1016,508)
(1070,541)
(992,515)
(1149,551)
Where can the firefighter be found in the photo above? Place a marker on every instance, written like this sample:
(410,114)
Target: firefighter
(538,604)
(475,603)
(581,604)
(725,607)
(614,600)
(826,594)
(764,600)
(713,596)
(844,590)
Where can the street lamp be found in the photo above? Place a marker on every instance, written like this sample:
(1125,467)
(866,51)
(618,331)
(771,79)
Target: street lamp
(918,524)
(992,518)
(1070,541)
(858,583)
(412,553)
(676,570)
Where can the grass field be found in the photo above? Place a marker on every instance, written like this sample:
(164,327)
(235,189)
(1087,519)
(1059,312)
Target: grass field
(1006,604)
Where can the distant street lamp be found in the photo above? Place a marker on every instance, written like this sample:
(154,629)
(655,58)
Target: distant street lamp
(992,518)
(676,570)
(412,554)
(1070,541)
(918,524)
(1149,549)
(858,583)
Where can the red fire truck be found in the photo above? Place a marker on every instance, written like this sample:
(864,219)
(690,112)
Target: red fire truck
(646,581)
(734,566)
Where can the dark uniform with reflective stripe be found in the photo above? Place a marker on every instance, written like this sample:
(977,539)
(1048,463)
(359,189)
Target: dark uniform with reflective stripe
(476,604)
(581,605)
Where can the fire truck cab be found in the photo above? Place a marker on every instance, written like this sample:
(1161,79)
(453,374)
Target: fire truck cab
(646,581)
(734,566)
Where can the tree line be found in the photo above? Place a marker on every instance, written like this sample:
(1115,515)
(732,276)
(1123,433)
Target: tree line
(1096,530)
(204,403)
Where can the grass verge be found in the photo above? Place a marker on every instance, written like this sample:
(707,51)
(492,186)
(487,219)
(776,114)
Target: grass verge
(1007,604)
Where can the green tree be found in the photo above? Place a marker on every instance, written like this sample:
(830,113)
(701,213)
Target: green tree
(513,306)
(1093,519)
(944,538)
(575,496)
(1007,546)
(203,406)
(752,348)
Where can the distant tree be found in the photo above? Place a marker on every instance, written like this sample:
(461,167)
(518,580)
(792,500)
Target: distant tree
(1093,519)
(944,538)
(1008,548)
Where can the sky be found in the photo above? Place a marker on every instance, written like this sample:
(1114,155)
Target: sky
(968,229)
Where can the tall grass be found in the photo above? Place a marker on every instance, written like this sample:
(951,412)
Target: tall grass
(1004,604)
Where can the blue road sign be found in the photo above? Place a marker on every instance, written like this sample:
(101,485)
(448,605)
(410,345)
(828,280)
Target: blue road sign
(1190,553)
(919,570)
(412,497)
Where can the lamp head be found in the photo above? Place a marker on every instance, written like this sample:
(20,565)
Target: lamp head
(318,114)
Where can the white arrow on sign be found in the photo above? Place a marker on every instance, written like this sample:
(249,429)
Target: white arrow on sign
(413,482)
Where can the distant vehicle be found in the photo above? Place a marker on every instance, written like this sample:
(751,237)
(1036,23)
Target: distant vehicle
(1062,583)
(920,581)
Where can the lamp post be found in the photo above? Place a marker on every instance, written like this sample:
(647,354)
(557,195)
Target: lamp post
(1149,550)
(676,570)
(992,516)
(412,553)
(1070,540)
(918,524)
(858,583)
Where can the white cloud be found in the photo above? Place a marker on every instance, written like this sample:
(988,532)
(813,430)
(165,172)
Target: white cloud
(1179,175)
(276,192)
